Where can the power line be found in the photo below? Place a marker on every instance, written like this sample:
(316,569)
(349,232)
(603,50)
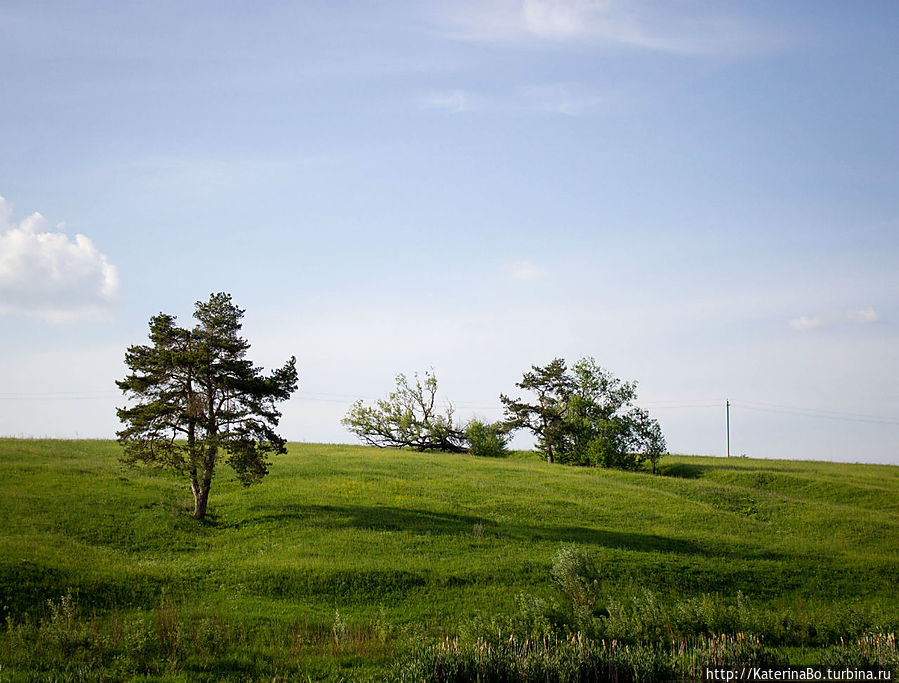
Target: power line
(660,405)
(20,394)
(57,398)
(821,414)
(815,410)
(676,406)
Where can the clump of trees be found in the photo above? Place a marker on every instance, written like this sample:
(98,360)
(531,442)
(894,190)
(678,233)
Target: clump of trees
(410,418)
(582,415)
(585,416)
(195,396)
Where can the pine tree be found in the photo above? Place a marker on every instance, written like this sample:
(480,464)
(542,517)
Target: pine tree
(195,396)
(545,418)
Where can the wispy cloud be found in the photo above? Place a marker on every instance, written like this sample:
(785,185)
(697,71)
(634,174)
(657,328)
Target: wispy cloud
(864,316)
(570,99)
(805,322)
(456,101)
(566,99)
(45,273)
(525,270)
(689,28)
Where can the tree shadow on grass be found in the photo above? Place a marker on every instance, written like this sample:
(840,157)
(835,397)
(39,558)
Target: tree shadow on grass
(374,517)
(694,471)
(682,471)
(618,540)
(384,518)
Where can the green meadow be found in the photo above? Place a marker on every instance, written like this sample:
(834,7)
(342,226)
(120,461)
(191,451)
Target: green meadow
(354,563)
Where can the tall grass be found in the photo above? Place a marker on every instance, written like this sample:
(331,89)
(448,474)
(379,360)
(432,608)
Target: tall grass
(577,659)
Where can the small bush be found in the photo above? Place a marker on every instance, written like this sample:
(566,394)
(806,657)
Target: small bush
(487,440)
(340,630)
(575,573)
(534,620)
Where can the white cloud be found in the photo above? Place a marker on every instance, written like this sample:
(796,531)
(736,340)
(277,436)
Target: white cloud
(567,99)
(570,99)
(687,28)
(526,270)
(563,19)
(519,19)
(456,101)
(864,316)
(46,273)
(805,322)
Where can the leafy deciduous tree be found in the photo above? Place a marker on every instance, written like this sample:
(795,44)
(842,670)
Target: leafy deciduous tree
(586,416)
(195,396)
(408,417)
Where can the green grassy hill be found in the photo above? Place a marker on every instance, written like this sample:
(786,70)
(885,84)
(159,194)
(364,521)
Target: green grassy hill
(346,557)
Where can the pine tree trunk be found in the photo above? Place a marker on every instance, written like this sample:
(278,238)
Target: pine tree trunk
(194,485)
(201,494)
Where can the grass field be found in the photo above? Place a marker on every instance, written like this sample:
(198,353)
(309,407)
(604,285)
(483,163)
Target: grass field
(346,559)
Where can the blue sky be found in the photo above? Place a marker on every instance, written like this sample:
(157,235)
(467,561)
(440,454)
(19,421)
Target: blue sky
(702,196)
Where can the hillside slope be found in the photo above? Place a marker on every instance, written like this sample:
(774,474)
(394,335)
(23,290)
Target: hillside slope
(429,541)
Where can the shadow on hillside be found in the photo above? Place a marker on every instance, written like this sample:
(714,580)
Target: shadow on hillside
(682,471)
(693,471)
(376,518)
(619,540)
(384,518)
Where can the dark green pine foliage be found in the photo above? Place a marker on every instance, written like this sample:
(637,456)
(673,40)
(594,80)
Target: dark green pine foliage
(195,397)
(546,418)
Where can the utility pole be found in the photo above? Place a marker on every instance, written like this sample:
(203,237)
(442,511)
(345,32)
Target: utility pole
(727,418)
